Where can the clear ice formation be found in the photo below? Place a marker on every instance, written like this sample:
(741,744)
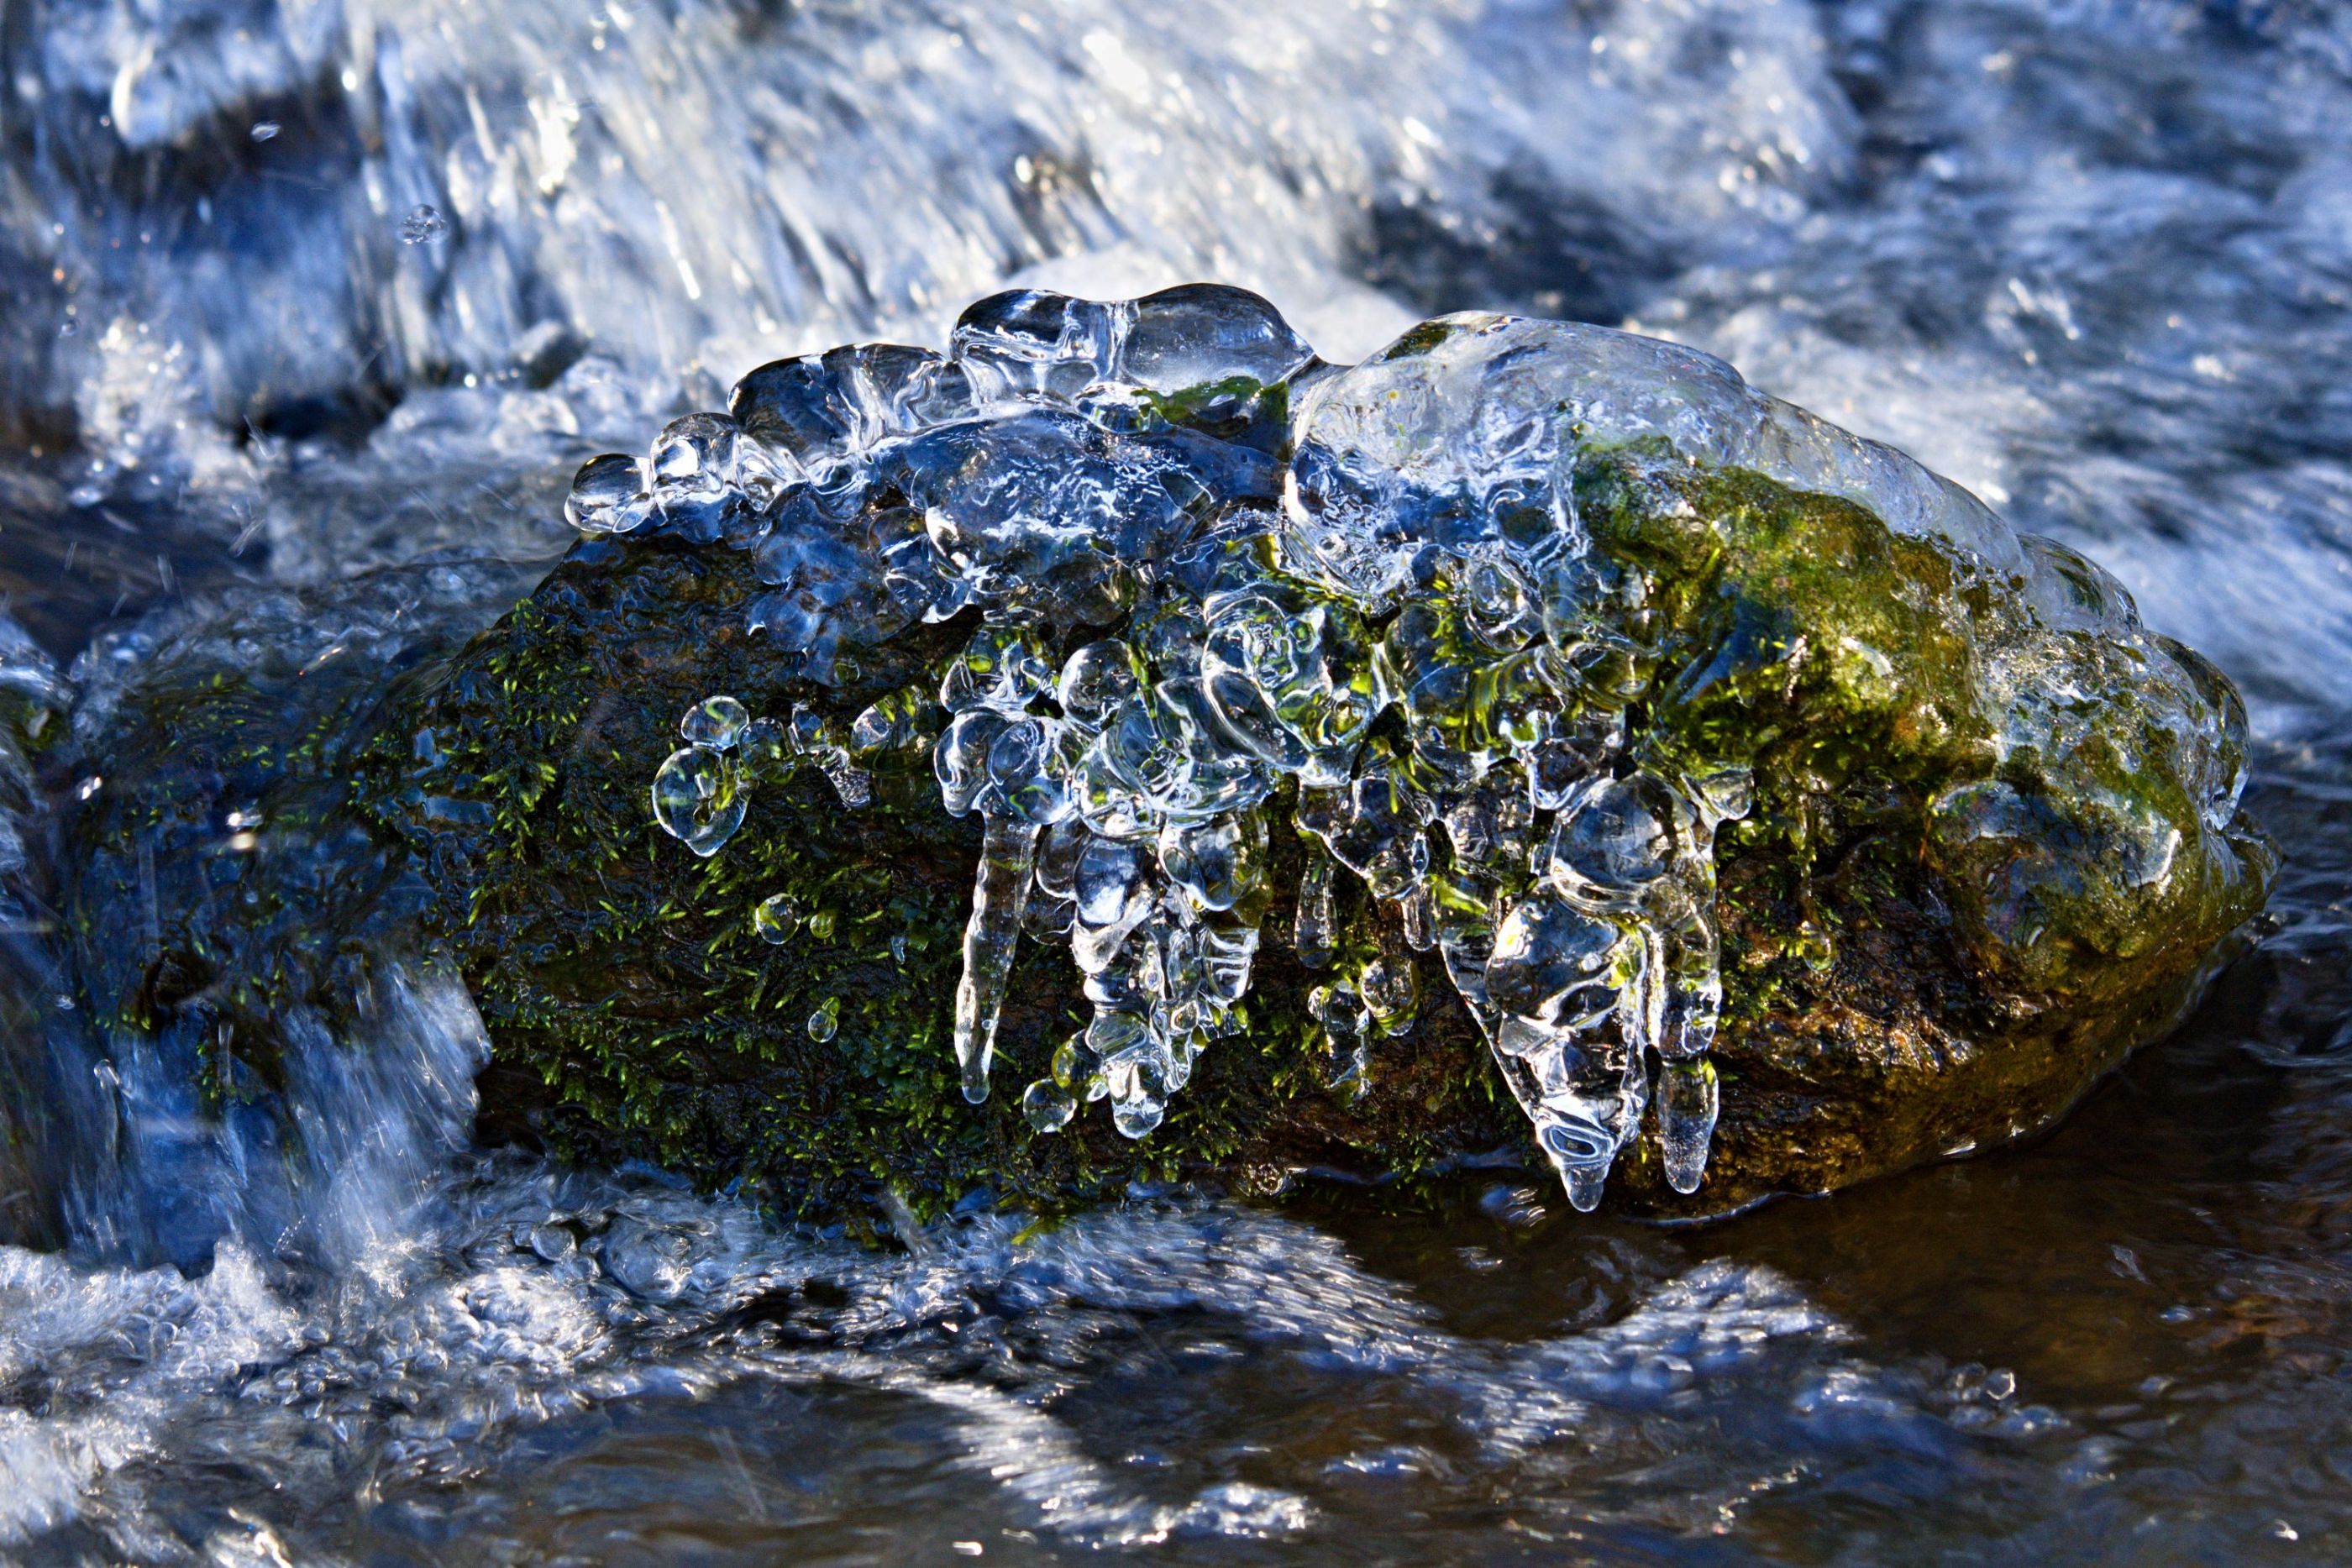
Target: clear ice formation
(1363,591)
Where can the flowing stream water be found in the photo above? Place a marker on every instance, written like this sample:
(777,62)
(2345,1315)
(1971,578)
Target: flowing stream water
(308,293)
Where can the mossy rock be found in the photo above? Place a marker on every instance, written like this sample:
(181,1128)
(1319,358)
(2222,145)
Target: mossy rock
(1936,935)
(638,1013)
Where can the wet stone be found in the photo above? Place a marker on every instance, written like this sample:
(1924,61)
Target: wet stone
(1521,631)
(551,1243)
(649,1261)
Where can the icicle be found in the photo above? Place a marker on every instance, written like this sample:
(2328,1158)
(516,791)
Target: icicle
(1420,917)
(1693,1005)
(1007,857)
(1317,912)
(1594,1092)
(1687,1110)
(1389,984)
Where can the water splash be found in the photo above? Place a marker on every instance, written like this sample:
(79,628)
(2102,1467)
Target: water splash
(422,226)
(694,181)
(453,1368)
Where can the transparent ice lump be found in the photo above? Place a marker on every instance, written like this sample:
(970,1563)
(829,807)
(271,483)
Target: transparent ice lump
(702,791)
(1401,631)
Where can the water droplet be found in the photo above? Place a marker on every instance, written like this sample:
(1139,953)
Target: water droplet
(775,919)
(1047,1106)
(822,1025)
(423,225)
(608,497)
(1073,1062)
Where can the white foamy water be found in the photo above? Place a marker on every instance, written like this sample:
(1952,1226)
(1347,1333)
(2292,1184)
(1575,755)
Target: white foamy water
(1962,229)
(529,1303)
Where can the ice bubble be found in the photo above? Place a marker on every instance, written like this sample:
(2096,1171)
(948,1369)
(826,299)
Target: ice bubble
(609,496)
(715,722)
(707,478)
(699,797)
(1048,1106)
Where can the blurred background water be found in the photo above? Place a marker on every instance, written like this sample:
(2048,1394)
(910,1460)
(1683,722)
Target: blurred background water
(307,309)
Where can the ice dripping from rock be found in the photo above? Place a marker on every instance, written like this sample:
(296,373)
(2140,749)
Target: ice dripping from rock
(1447,609)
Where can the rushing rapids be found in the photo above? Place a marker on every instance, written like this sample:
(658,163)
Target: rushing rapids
(1214,577)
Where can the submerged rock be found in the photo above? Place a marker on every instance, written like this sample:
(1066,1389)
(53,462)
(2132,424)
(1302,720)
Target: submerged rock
(1292,756)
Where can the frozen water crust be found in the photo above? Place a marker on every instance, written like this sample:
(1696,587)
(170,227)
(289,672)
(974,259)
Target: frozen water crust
(1438,607)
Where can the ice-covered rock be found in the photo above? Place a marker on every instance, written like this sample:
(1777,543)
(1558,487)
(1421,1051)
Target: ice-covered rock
(1515,622)
(1530,736)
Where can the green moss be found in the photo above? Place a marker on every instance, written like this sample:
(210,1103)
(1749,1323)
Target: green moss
(641,1013)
